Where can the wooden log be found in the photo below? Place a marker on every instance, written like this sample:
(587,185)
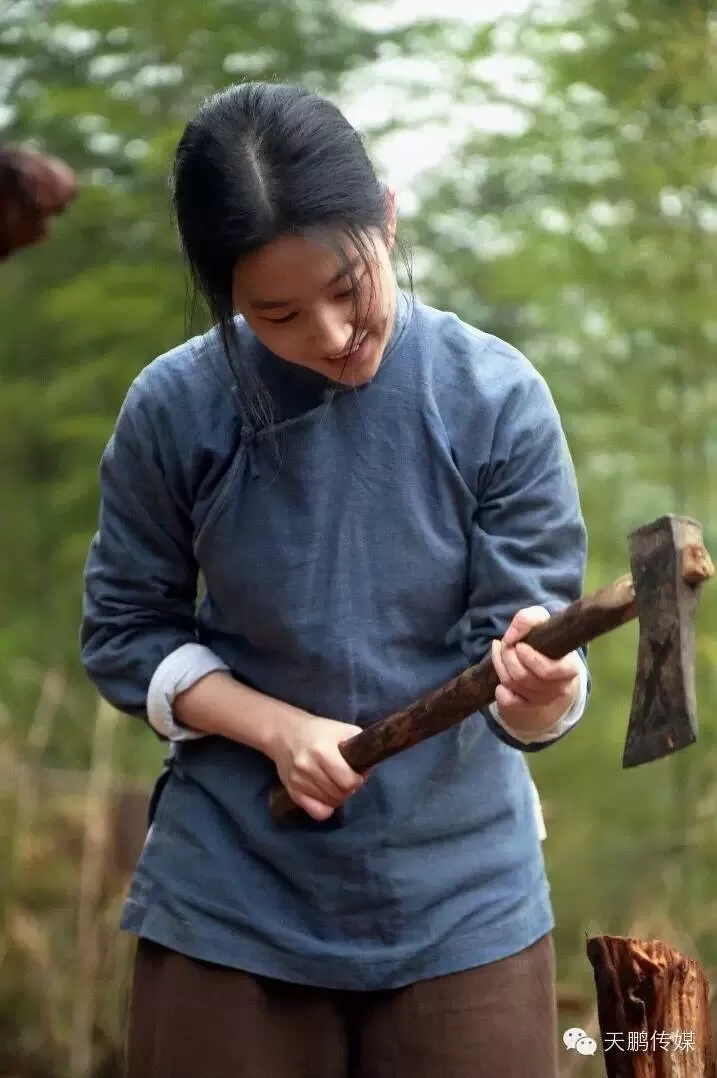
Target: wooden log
(653,1010)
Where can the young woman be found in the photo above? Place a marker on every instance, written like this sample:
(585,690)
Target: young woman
(376,495)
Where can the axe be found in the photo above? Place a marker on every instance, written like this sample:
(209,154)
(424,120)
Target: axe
(668,565)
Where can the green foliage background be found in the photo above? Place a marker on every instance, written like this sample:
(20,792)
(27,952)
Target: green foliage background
(584,231)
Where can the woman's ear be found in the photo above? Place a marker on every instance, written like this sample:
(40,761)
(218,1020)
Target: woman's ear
(391,216)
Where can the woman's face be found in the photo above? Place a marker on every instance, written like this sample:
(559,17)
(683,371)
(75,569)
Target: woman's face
(296,297)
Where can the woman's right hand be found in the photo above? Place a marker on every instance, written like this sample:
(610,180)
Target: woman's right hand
(306,752)
(304,747)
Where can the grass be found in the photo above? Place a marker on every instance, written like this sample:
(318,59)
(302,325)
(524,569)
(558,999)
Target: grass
(65,966)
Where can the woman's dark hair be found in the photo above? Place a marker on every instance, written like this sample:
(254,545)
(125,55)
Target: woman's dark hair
(263,160)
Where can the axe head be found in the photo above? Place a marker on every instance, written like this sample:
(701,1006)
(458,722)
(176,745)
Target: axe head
(669,563)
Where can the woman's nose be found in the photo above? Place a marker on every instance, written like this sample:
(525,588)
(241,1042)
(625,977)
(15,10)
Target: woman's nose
(332,334)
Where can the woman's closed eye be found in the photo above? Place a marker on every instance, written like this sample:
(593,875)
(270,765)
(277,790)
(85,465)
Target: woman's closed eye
(347,293)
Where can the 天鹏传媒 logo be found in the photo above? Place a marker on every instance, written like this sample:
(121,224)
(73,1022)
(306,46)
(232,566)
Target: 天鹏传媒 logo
(577,1040)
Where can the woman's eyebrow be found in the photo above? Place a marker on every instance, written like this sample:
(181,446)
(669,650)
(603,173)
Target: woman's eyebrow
(271,304)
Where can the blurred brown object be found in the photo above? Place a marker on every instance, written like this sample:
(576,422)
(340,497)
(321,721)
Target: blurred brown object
(33,188)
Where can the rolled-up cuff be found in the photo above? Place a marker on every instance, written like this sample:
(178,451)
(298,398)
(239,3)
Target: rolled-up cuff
(558,728)
(181,669)
(538,813)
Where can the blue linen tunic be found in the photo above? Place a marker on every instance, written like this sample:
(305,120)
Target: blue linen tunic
(357,553)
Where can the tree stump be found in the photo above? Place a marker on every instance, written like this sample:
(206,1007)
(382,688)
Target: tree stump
(653,1010)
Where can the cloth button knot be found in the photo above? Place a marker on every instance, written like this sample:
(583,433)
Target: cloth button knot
(248,441)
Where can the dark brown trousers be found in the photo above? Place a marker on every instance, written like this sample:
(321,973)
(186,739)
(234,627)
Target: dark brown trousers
(190,1019)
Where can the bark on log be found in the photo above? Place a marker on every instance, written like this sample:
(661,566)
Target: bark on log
(653,1010)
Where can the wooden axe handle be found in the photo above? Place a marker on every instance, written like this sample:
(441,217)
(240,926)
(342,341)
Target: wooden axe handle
(573,627)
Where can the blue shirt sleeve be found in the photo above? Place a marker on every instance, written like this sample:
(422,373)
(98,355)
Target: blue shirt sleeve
(140,579)
(528,543)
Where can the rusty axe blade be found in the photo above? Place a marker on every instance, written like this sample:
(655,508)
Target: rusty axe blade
(669,564)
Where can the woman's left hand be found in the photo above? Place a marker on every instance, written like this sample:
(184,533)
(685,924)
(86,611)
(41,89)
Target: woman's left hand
(534,691)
